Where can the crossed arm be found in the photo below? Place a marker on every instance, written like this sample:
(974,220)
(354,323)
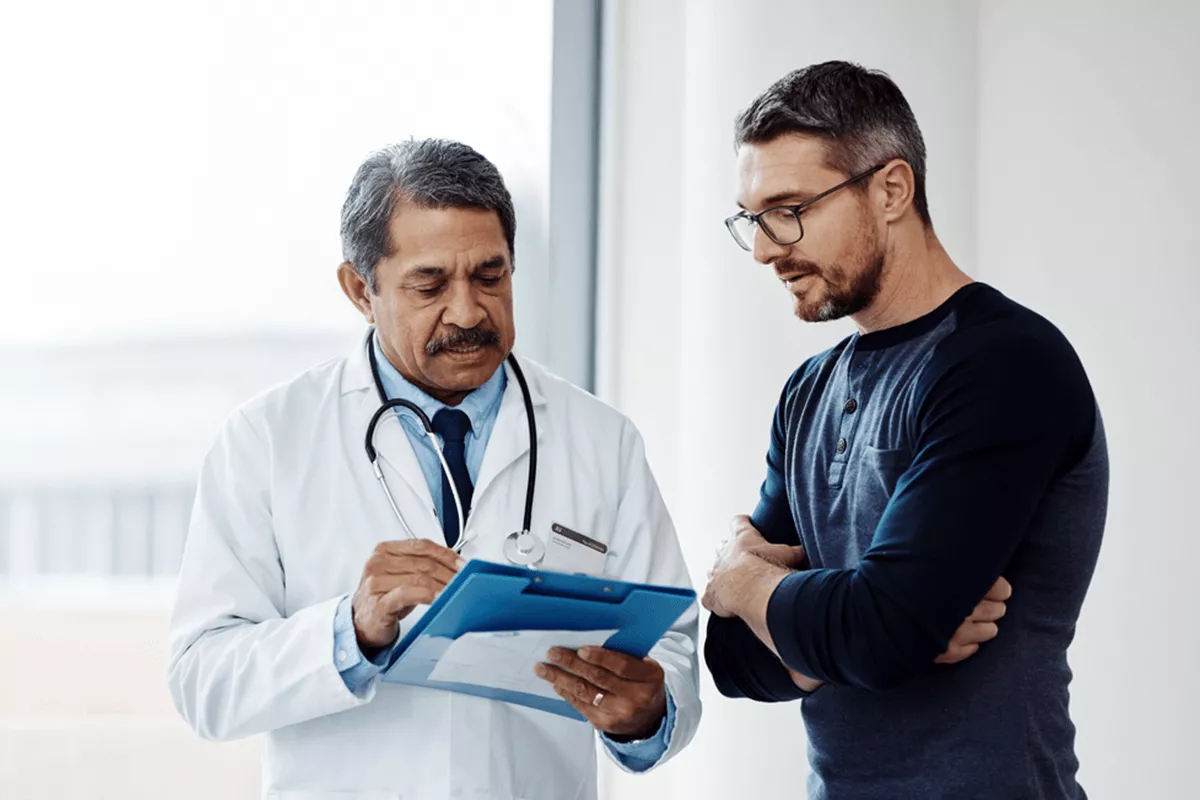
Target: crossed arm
(748,571)
(993,429)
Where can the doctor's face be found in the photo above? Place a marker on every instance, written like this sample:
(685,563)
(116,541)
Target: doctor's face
(443,306)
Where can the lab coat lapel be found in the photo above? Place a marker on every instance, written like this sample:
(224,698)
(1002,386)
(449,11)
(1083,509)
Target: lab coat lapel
(397,460)
(510,437)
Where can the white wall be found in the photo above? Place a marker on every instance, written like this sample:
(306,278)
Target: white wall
(1088,213)
(1059,171)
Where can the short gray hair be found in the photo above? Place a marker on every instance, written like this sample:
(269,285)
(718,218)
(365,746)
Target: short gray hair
(433,173)
(860,113)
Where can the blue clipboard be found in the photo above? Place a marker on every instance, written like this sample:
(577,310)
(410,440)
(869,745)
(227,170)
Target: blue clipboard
(486,597)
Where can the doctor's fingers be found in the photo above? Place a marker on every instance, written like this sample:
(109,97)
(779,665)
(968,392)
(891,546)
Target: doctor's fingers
(640,670)
(382,584)
(396,567)
(423,548)
(582,693)
(419,592)
(597,676)
(569,682)
(600,716)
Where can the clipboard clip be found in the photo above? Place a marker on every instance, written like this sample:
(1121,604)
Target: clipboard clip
(602,594)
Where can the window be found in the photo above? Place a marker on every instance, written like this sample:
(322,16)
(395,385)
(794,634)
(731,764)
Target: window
(174,174)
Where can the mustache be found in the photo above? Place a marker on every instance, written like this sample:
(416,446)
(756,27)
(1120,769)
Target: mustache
(478,336)
(789,266)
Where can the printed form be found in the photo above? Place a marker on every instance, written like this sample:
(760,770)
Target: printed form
(505,659)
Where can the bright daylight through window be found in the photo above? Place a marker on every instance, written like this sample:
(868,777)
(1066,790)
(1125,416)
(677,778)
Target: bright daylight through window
(173,177)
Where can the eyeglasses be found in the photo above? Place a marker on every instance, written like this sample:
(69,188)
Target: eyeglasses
(781,223)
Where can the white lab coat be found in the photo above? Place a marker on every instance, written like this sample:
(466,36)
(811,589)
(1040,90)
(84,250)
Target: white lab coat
(287,513)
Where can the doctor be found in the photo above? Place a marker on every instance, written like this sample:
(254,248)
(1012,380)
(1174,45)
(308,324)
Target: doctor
(299,576)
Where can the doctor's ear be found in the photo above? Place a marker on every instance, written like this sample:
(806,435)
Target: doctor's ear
(356,289)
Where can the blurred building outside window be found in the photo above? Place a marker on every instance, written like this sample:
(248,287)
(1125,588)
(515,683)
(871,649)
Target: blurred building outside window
(173,177)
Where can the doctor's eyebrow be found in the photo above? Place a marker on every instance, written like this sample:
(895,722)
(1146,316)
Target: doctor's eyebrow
(430,271)
(495,262)
(425,272)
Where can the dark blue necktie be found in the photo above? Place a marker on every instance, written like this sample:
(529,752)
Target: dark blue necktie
(453,426)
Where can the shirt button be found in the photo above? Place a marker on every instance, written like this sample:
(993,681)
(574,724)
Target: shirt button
(841,448)
(341,656)
(851,406)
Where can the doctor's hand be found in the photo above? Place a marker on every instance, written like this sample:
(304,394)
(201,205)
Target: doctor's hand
(398,577)
(622,696)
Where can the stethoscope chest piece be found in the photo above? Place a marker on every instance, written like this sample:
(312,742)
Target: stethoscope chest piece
(524,549)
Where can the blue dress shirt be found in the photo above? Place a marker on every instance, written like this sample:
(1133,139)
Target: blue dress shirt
(481,406)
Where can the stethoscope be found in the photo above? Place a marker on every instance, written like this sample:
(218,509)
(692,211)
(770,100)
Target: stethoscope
(521,547)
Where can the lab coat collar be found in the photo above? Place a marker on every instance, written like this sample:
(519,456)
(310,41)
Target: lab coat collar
(477,405)
(508,443)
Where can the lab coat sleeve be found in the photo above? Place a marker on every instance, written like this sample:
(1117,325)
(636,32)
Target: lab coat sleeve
(651,554)
(238,666)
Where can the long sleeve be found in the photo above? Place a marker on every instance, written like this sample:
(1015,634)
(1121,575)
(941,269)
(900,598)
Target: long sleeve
(996,423)
(647,538)
(237,665)
(358,672)
(741,665)
(642,755)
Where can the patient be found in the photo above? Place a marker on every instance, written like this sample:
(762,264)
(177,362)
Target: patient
(953,438)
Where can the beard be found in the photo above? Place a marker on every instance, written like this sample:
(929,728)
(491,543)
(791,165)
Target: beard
(836,293)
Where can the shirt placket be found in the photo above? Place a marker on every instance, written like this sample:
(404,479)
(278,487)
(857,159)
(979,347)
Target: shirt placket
(848,410)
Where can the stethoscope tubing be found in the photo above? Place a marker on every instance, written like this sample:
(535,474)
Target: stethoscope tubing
(387,405)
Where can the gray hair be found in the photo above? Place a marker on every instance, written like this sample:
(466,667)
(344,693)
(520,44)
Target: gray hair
(433,173)
(860,113)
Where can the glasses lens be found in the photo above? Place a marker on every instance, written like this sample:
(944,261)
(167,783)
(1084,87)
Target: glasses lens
(782,225)
(742,228)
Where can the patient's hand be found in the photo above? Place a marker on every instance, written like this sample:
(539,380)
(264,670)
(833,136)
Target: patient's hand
(979,627)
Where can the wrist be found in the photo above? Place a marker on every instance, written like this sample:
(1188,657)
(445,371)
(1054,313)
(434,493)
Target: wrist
(754,582)
(803,682)
(371,644)
(648,730)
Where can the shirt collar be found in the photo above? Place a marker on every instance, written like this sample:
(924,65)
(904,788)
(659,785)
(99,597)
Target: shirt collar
(480,404)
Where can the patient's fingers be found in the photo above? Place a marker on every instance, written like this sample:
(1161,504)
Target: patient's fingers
(957,653)
(988,611)
(1001,590)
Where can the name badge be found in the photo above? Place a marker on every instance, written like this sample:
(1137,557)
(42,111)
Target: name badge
(571,551)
